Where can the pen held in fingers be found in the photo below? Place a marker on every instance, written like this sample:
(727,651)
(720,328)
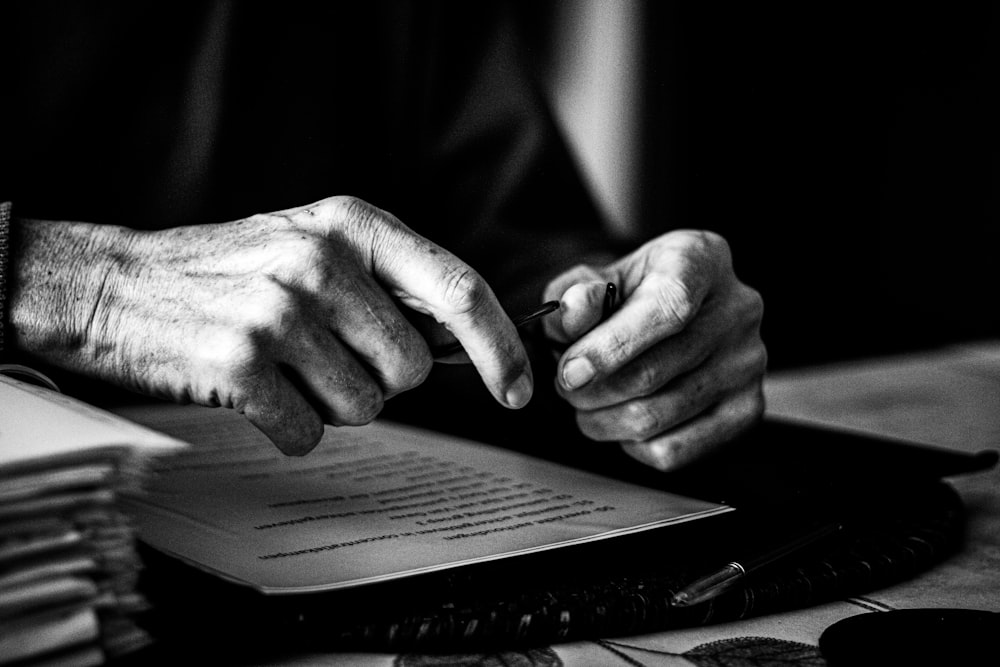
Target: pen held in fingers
(610,296)
(441,352)
(608,305)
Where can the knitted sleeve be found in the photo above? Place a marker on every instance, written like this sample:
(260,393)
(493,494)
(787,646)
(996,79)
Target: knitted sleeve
(4,250)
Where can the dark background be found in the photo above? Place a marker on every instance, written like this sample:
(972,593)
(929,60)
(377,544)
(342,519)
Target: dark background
(849,155)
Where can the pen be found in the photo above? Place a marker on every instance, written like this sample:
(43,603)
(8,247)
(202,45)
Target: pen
(439,351)
(610,294)
(716,583)
(610,299)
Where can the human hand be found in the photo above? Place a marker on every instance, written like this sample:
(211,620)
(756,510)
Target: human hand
(294,318)
(678,369)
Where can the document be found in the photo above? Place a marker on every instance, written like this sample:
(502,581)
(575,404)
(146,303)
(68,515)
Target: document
(41,430)
(68,567)
(370,503)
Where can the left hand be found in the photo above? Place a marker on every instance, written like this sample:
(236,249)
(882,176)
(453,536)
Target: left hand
(678,368)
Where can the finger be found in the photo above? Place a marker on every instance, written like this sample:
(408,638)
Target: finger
(443,346)
(431,280)
(367,321)
(727,330)
(581,309)
(658,308)
(664,285)
(555,327)
(702,435)
(681,400)
(281,413)
(334,290)
(580,273)
(332,380)
(649,372)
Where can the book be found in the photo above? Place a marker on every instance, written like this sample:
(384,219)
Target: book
(68,563)
(391,538)
(371,504)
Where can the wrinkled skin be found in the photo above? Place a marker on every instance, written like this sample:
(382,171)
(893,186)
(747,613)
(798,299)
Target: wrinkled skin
(677,370)
(297,318)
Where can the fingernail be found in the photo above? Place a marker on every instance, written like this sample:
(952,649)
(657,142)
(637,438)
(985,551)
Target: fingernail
(577,372)
(519,393)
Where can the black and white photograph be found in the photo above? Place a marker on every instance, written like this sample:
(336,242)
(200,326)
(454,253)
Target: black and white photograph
(391,333)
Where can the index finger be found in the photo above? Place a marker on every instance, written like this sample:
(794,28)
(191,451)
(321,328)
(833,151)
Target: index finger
(433,281)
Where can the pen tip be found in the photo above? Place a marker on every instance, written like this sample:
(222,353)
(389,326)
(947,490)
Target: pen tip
(679,600)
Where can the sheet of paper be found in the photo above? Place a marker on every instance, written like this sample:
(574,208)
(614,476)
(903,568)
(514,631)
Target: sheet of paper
(35,635)
(370,503)
(46,594)
(39,427)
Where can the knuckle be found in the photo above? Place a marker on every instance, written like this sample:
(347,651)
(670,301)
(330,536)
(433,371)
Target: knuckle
(237,352)
(359,215)
(706,246)
(749,362)
(423,364)
(661,454)
(355,221)
(582,272)
(674,302)
(241,347)
(753,305)
(642,421)
(757,405)
(349,208)
(271,313)
(364,407)
(412,373)
(756,302)
(617,349)
(745,409)
(669,453)
(758,359)
(715,242)
(465,292)
(403,360)
(314,266)
(646,378)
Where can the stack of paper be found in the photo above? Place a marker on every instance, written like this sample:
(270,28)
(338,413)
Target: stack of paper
(68,566)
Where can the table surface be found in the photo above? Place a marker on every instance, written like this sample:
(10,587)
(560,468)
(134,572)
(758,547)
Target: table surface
(948,397)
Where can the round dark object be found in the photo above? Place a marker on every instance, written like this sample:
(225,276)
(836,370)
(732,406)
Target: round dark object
(913,637)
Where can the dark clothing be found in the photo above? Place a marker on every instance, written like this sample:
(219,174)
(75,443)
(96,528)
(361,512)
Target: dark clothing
(158,115)
(152,116)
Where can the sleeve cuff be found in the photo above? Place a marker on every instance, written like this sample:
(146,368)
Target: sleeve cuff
(4,253)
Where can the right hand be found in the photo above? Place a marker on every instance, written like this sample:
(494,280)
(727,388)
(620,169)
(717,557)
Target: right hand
(293,318)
